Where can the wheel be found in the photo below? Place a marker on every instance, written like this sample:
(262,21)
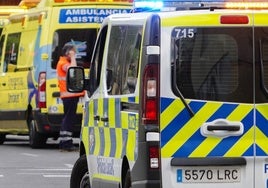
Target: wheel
(127,180)
(80,176)
(36,139)
(2,138)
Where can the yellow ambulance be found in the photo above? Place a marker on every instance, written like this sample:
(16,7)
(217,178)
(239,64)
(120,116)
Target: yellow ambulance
(30,47)
(177,98)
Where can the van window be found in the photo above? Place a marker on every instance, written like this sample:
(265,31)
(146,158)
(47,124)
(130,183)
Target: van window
(1,47)
(123,59)
(221,64)
(211,63)
(84,39)
(11,52)
(96,64)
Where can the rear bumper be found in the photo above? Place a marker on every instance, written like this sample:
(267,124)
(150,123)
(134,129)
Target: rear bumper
(49,124)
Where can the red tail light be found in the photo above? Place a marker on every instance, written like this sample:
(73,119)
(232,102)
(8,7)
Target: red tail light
(151,94)
(154,157)
(42,90)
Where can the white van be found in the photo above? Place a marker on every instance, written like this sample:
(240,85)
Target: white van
(177,99)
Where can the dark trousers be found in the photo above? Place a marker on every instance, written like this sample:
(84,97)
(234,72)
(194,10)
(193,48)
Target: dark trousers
(66,131)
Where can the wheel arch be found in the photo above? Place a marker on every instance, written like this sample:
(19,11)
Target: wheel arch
(82,150)
(29,115)
(125,168)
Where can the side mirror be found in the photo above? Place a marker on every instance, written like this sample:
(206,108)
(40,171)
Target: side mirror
(75,79)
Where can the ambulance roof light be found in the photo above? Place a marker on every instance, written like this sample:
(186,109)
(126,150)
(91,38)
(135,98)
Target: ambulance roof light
(7,10)
(29,3)
(93,1)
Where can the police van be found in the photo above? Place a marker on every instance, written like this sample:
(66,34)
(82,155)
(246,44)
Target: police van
(30,48)
(177,98)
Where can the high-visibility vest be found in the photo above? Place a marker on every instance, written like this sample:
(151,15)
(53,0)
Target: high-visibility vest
(62,68)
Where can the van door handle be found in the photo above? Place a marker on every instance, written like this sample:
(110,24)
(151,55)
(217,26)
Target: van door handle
(104,119)
(97,118)
(56,94)
(222,128)
(53,85)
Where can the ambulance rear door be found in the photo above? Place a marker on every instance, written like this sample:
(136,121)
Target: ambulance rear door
(207,122)
(261,93)
(67,32)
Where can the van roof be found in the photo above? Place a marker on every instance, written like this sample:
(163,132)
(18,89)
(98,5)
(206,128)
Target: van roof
(172,13)
(166,5)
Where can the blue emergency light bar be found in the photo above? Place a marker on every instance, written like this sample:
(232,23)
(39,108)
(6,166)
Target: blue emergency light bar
(148,4)
(160,4)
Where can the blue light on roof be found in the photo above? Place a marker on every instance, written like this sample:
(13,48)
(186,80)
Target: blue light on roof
(148,4)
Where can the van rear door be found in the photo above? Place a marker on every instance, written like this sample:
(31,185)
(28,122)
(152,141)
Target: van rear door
(261,98)
(207,117)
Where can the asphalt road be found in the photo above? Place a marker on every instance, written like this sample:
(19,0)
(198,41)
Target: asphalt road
(23,167)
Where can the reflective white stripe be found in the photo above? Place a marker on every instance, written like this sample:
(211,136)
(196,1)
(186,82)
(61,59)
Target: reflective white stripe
(66,138)
(68,133)
(152,136)
(153,50)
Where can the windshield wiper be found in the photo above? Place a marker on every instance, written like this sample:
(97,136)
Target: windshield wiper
(262,69)
(178,93)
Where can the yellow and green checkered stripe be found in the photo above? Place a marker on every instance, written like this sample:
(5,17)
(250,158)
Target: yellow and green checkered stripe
(117,137)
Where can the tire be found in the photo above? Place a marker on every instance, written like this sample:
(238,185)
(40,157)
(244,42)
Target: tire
(80,176)
(127,180)
(2,138)
(36,140)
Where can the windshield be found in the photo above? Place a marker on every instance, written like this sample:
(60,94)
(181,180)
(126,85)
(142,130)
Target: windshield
(220,64)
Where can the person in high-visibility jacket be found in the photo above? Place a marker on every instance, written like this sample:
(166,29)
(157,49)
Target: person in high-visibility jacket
(70,100)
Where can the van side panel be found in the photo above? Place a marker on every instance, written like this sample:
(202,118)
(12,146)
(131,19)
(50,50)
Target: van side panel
(18,87)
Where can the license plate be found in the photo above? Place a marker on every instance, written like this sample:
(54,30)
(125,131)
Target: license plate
(209,175)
